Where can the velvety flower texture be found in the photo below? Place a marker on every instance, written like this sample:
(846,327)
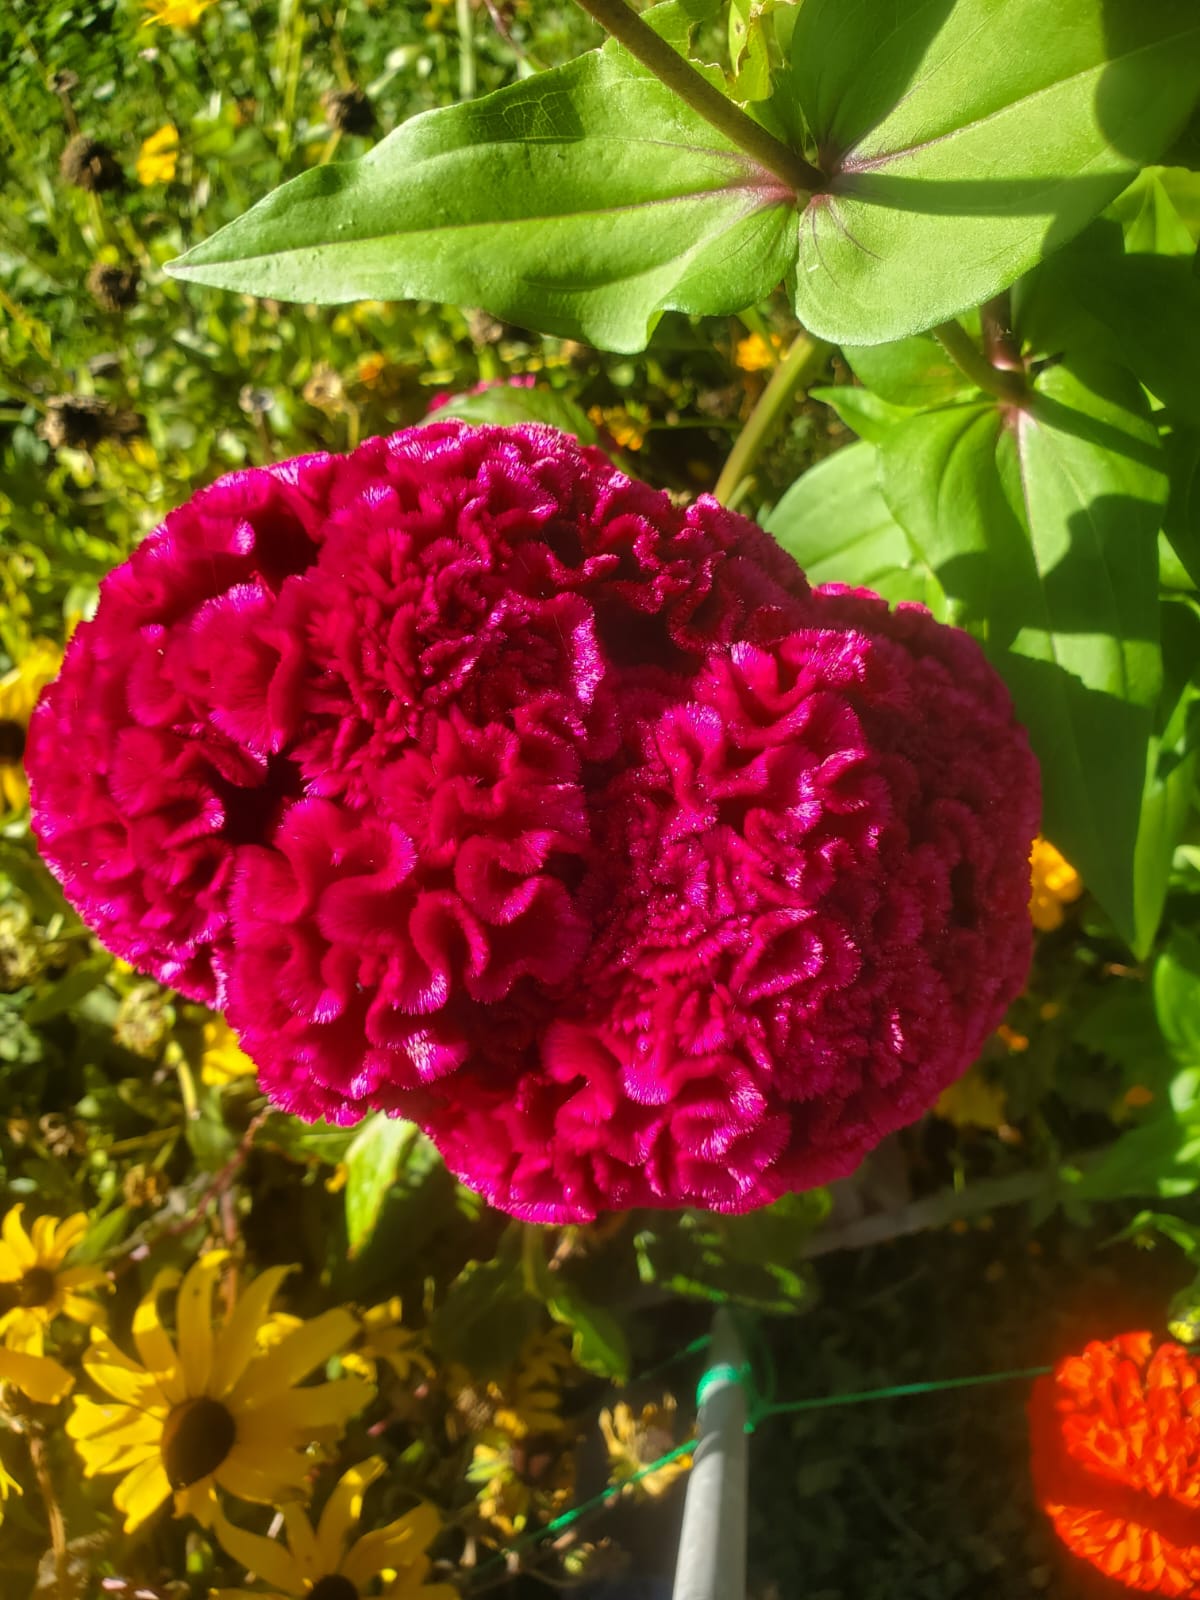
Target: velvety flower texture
(486,786)
(1116,1461)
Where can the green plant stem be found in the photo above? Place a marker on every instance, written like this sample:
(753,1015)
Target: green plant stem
(54,1516)
(615,17)
(466,47)
(973,364)
(796,371)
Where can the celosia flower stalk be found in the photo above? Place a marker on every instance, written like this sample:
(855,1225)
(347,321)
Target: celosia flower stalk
(1116,1461)
(488,787)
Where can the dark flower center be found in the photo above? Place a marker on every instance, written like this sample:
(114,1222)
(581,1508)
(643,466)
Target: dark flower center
(12,742)
(197,1436)
(334,1587)
(36,1288)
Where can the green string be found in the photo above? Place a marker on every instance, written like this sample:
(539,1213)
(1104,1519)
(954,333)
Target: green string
(758,1409)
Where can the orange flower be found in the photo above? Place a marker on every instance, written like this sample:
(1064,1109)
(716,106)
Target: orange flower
(1116,1461)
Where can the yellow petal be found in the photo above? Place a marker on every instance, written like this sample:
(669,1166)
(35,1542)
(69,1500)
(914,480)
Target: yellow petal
(265,1558)
(302,1541)
(42,1379)
(113,1372)
(142,1492)
(397,1544)
(83,1278)
(193,1320)
(295,1356)
(10,1267)
(25,1330)
(17,1239)
(71,1231)
(342,1511)
(265,1478)
(236,1342)
(41,1237)
(310,1413)
(153,1343)
(80,1309)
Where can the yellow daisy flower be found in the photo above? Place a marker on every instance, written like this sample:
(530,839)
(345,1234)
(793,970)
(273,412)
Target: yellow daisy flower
(39,1378)
(223,1060)
(176,13)
(633,1441)
(158,156)
(1054,884)
(35,1286)
(385,1339)
(316,1564)
(527,1399)
(754,354)
(212,1409)
(19,690)
(521,1483)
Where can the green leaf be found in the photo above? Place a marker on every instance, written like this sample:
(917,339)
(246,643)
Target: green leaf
(1181,524)
(487,1313)
(1160,1157)
(583,201)
(598,1342)
(868,414)
(1176,1229)
(837,525)
(909,372)
(966,139)
(1140,310)
(372,1164)
(1043,533)
(505,403)
(755,1260)
(1177,1002)
(1153,225)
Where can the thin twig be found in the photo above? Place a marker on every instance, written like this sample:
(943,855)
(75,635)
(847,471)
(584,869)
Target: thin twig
(54,1516)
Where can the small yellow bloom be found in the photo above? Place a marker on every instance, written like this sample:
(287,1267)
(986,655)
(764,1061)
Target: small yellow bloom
(211,1408)
(37,1377)
(626,432)
(521,1483)
(527,1399)
(316,1561)
(19,691)
(1016,1042)
(974,1102)
(754,354)
(176,13)
(35,1286)
(370,368)
(158,156)
(1055,883)
(385,1339)
(223,1060)
(634,1441)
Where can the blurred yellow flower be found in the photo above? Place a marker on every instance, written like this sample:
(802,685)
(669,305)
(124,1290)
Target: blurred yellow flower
(626,432)
(19,690)
(35,1286)
(176,13)
(223,1060)
(974,1102)
(212,1409)
(316,1563)
(385,1339)
(371,367)
(527,1399)
(1055,883)
(633,1441)
(158,156)
(520,1483)
(37,1377)
(754,354)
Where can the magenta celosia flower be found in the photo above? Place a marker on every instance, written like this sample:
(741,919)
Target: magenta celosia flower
(485,786)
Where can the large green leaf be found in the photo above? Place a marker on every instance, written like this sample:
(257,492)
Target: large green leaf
(583,201)
(1140,310)
(836,523)
(966,139)
(1042,529)
(910,372)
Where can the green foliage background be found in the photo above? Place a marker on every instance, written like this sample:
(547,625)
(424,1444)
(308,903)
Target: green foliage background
(1091,1099)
